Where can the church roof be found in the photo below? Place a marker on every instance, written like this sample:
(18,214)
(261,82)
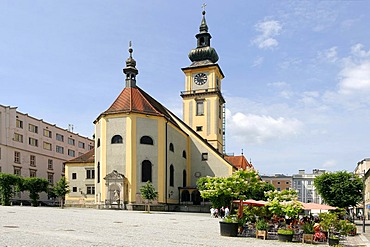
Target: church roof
(239,161)
(88,157)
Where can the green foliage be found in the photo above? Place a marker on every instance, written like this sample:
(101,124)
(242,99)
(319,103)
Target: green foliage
(8,183)
(285,231)
(307,228)
(339,189)
(262,225)
(283,203)
(241,185)
(35,186)
(250,213)
(329,220)
(61,189)
(231,219)
(148,192)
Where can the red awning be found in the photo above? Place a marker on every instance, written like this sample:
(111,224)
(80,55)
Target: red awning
(252,202)
(316,206)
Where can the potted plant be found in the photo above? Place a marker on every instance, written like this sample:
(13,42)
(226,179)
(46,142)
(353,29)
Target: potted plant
(261,228)
(285,235)
(333,240)
(351,229)
(229,226)
(308,232)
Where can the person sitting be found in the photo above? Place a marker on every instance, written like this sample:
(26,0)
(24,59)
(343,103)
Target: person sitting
(318,236)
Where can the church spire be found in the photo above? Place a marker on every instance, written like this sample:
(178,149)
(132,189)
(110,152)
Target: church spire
(204,52)
(130,70)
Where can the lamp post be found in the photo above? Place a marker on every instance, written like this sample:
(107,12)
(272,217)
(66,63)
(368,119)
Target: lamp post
(363,203)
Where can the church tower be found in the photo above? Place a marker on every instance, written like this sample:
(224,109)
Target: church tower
(203,103)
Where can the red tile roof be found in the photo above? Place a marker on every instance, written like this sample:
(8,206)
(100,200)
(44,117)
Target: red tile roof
(88,157)
(239,162)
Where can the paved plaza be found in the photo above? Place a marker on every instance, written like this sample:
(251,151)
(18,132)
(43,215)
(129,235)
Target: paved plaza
(45,226)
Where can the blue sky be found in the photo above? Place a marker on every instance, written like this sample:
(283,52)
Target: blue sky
(297,83)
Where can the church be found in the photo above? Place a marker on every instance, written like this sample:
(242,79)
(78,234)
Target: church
(137,139)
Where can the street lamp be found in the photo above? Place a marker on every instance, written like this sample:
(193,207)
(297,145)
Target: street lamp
(363,199)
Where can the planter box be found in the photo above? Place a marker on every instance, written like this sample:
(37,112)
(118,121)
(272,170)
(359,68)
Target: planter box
(285,238)
(307,238)
(333,241)
(261,233)
(228,229)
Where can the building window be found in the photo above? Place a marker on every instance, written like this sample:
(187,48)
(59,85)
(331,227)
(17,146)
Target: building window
(74,175)
(71,153)
(74,189)
(47,146)
(172,149)
(146,140)
(90,190)
(116,139)
(17,171)
(50,164)
(91,147)
(32,173)
(18,137)
(309,182)
(184,154)
(98,143)
(90,173)
(59,149)
(71,141)
(204,156)
(47,133)
(0,155)
(286,182)
(51,178)
(199,128)
(278,182)
(184,178)
(33,142)
(32,160)
(146,171)
(172,175)
(17,157)
(278,189)
(200,108)
(220,110)
(98,168)
(81,145)
(59,137)
(33,128)
(19,124)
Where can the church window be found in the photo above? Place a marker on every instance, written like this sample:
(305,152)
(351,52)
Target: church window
(146,171)
(184,154)
(146,140)
(98,171)
(98,143)
(199,128)
(74,175)
(172,149)
(74,189)
(184,178)
(116,139)
(200,108)
(204,156)
(172,175)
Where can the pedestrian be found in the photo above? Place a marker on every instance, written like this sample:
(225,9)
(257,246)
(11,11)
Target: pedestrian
(212,212)
(216,213)
(227,211)
(222,212)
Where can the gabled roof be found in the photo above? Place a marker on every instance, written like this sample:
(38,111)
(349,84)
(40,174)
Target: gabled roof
(239,162)
(136,100)
(88,157)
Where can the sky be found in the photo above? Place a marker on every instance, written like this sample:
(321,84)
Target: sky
(297,73)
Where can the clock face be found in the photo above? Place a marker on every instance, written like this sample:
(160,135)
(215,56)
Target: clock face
(200,79)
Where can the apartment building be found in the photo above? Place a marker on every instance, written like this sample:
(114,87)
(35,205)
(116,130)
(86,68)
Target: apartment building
(30,147)
(303,183)
(279,181)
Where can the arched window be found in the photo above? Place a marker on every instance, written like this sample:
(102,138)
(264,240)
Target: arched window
(172,175)
(184,154)
(146,140)
(98,171)
(116,139)
(184,178)
(172,148)
(185,196)
(98,143)
(146,171)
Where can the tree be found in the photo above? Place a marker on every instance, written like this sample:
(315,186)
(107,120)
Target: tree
(8,184)
(339,189)
(241,185)
(35,186)
(283,203)
(148,193)
(61,189)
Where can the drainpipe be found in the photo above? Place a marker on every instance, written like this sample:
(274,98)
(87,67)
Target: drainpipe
(165,193)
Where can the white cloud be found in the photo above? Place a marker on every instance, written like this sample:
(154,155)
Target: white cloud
(329,164)
(330,55)
(268,30)
(251,128)
(258,61)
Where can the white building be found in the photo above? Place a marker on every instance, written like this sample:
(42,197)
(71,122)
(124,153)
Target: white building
(303,183)
(30,147)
